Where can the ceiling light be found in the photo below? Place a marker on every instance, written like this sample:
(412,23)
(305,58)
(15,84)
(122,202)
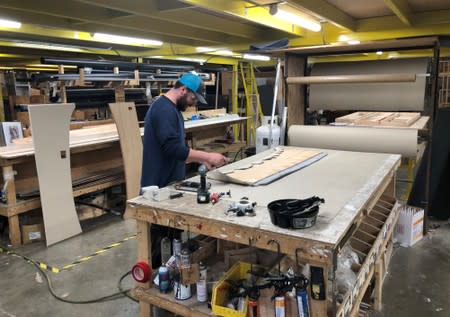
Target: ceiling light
(295,17)
(222,53)
(10,24)
(47,46)
(202,49)
(189,59)
(125,39)
(256,57)
(379,53)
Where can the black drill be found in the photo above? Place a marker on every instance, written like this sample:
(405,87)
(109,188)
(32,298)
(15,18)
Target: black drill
(202,192)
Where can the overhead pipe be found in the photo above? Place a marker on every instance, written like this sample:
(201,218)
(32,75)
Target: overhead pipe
(108,64)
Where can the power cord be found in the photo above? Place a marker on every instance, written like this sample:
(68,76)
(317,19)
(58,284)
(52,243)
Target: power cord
(114,296)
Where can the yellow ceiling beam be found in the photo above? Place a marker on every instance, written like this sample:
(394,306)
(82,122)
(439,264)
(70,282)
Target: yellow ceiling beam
(243,10)
(56,14)
(419,20)
(327,11)
(401,9)
(185,16)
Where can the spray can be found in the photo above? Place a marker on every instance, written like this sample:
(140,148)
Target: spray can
(280,306)
(202,292)
(165,250)
(252,307)
(185,258)
(176,248)
(164,279)
(302,302)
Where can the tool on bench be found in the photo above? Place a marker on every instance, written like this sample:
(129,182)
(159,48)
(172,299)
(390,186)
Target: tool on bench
(190,186)
(243,207)
(295,213)
(216,196)
(202,192)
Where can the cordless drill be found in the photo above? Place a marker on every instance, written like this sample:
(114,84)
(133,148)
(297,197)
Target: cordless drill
(202,192)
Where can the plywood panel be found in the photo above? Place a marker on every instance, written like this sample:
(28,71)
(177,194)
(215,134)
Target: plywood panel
(124,114)
(50,129)
(263,169)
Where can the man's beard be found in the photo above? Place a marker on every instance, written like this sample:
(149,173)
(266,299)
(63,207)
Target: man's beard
(182,103)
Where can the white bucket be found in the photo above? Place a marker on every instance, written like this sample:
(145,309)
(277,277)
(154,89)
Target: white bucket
(263,134)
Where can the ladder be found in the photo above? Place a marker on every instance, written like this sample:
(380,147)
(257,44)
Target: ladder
(253,109)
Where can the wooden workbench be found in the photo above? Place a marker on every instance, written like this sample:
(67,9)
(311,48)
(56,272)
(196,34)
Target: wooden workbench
(354,186)
(96,164)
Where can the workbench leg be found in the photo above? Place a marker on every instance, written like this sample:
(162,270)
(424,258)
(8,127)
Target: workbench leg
(378,285)
(14,230)
(13,220)
(143,254)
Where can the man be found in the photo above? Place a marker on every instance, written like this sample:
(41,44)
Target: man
(165,152)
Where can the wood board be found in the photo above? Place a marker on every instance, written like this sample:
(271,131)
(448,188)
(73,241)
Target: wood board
(125,117)
(388,119)
(262,169)
(50,128)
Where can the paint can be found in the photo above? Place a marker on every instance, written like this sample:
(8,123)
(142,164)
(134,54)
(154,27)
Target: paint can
(180,291)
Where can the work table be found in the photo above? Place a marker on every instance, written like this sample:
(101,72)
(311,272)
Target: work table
(351,183)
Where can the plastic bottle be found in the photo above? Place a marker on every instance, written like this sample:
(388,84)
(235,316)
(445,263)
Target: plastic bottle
(202,292)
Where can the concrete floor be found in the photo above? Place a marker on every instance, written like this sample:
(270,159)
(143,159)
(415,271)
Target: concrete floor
(418,282)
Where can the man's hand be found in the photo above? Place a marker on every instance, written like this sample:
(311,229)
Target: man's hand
(214,160)
(210,159)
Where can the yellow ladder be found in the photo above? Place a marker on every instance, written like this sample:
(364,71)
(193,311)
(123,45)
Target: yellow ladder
(253,109)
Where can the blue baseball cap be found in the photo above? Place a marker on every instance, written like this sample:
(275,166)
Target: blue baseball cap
(194,83)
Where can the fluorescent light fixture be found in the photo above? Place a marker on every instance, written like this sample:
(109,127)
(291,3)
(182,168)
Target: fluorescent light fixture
(299,18)
(379,53)
(10,24)
(349,40)
(189,59)
(203,49)
(125,39)
(256,57)
(47,46)
(223,52)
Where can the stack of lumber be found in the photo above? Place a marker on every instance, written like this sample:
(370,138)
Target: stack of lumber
(392,119)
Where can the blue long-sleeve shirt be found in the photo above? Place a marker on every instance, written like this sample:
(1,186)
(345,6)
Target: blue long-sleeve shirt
(165,150)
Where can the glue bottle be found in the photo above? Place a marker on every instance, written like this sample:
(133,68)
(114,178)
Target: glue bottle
(202,292)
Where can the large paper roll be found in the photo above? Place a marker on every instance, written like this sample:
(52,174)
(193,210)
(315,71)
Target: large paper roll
(388,96)
(358,139)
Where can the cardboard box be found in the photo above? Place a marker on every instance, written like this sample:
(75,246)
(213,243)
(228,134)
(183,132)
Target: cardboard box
(409,227)
(33,233)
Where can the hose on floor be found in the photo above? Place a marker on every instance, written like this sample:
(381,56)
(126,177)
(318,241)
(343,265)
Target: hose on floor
(122,293)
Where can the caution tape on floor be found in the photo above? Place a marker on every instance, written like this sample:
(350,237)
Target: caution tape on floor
(55,269)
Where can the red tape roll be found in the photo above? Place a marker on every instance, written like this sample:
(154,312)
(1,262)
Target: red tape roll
(141,272)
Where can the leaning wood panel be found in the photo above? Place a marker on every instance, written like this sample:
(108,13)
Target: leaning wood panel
(50,129)
(124,114)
